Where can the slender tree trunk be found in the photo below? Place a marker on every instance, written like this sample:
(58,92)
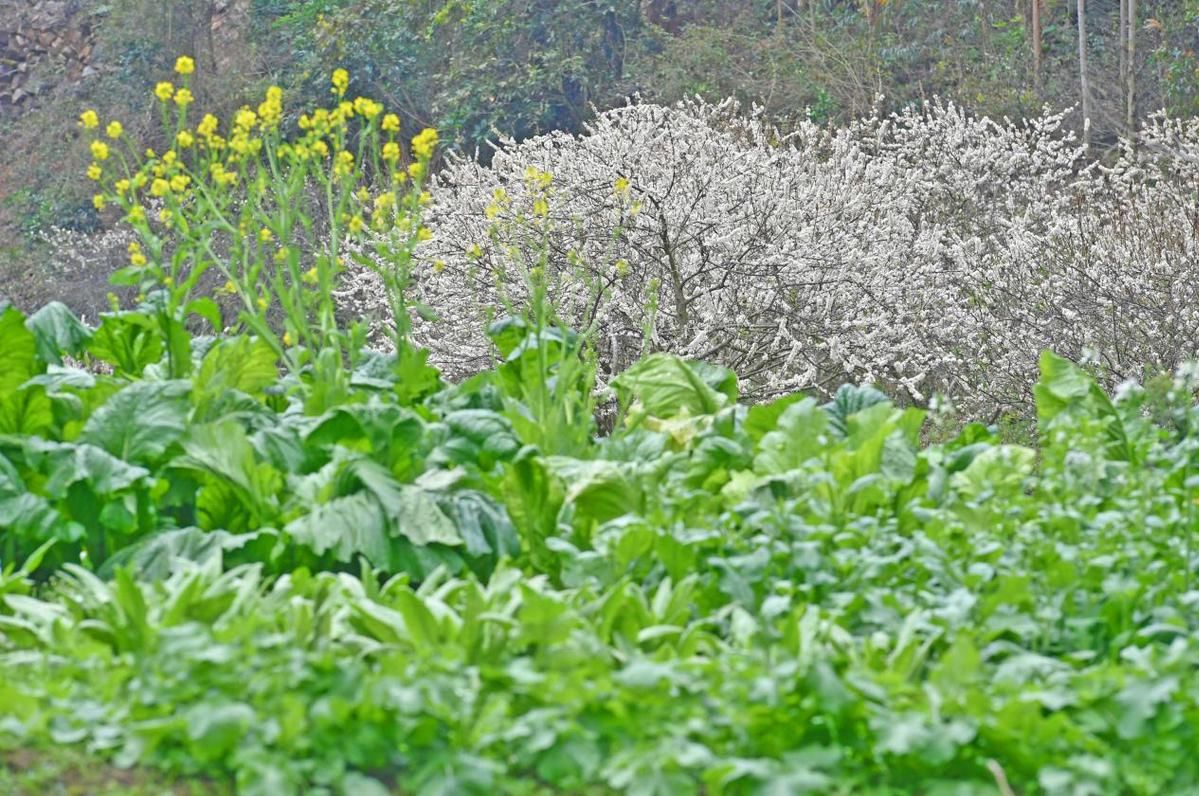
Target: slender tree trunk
(1123,46)
(1082,72)
(1130,77)
(1036,45)
(984,28)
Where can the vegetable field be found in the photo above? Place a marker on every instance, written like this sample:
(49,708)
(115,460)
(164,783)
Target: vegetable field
(408,596)
(243,551)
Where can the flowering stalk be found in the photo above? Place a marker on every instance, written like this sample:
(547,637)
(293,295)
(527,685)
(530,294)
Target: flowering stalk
(248,200)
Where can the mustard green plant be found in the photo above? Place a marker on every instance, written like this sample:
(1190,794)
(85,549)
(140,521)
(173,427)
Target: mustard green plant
(271,201)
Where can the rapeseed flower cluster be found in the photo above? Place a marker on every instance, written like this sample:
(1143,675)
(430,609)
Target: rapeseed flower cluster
(246,185)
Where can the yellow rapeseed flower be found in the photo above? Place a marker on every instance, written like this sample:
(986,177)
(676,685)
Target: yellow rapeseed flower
(311,276)
(184,139)
(287,339)
(416,170)
(137,259)
(208,125)
(164,91)
(94,172)
(89,120)
(114,130)
(183,98)
(185,65)
(265,235)
(438,266)
(137,215)
(341,81)
(423,234)
(180,182)
(367,108)
(391,123)
(160,187)
(245,118)
(166,216)
(320,148)
(121,187)
(621,185)
(343,163)
(391,152)
(99,150)
(356,225)
(541,208)
(98,201)
(425,142)
(262,303)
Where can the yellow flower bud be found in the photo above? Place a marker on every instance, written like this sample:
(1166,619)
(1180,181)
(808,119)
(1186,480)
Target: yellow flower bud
(341,81)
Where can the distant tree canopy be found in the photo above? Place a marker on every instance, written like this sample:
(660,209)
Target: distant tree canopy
(530,66)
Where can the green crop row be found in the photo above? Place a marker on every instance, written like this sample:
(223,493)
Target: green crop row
(403,594)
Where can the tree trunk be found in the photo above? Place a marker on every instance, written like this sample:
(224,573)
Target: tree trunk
(1130,77)
(1082,72)
(1036,45)
(1123,45)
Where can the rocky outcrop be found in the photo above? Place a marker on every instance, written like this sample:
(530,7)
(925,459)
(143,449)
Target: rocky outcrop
(42,43)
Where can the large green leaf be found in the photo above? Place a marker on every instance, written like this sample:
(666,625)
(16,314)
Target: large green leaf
(66,464)
(801,433)
(18,352)
(347,526)
(222,450)
(1066,389)
(761,419)
(1000,469)
(599,490)
(129,341)
(478,437)
(26,411)
(664,385)
(139,423)
(411,511)
(28,516)
(245,364)
(848,401)
(157,556)
(58,332)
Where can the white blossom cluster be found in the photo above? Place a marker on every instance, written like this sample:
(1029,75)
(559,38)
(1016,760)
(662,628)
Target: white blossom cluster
(929,251)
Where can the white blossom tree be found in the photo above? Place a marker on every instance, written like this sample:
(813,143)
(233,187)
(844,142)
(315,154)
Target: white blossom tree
(928,251)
